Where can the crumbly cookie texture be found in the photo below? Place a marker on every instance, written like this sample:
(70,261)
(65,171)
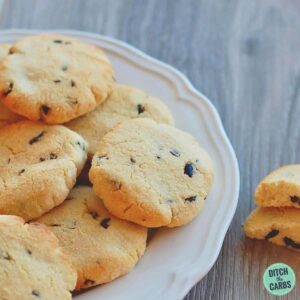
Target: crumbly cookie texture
(6,115)
(54,78)
(100,246)
(124,103)
(38,167)
(280,188)
(4,50)
(151,174)
(32,264)
(280,226)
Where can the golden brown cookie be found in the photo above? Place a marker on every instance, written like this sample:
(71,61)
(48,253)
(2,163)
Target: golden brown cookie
(54,78)
(38,167)
(32,264)
(280,188)
(100,246)
(6,115)
(124,103)
(151,174)
(280,226)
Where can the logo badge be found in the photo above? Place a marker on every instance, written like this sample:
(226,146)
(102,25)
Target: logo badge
(279,279)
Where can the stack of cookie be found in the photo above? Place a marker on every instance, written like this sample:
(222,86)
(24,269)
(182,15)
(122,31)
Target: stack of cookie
(63,119)
(277,219)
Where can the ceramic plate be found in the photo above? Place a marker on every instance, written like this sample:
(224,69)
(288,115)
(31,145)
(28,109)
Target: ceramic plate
(176,259)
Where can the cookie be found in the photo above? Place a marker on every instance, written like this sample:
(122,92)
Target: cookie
(32,264)
(6,116)
(280,226)
(280,188)
(100,246)
(124,103)
(151,174)
(38,167)
(54,78)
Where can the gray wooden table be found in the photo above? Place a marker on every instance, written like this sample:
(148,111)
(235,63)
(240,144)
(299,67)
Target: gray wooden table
(245,56)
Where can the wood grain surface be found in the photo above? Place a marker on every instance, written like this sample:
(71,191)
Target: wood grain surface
(244,55)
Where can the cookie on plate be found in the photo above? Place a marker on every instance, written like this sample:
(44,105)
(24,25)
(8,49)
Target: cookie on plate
(151,174)
(6,116)
(124,103)
(54,78)
(38,167)
(280,188)
(32,264)
(100,246)
(280,226)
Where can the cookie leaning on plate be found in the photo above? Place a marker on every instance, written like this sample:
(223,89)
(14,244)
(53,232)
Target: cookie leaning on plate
(6,116)
(280,226)
(280,188)
(32,264)
(54,78)
(38,167)
(100,246)
(151,174)
(124,103)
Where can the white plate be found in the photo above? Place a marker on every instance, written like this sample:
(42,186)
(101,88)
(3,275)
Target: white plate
(176,258)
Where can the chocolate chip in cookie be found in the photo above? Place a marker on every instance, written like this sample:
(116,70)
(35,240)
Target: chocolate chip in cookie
(189,169)
(271,234)
(105,223)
